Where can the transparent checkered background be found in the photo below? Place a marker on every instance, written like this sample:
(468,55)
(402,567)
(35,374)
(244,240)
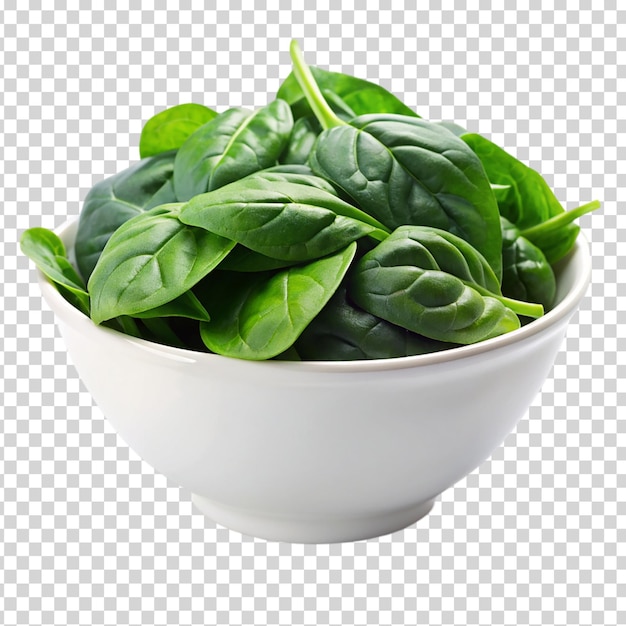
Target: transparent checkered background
(91,535)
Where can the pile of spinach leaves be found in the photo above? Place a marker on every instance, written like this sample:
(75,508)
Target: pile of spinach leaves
(332,224)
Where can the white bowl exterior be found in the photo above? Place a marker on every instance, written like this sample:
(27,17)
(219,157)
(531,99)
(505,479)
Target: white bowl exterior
(316,441)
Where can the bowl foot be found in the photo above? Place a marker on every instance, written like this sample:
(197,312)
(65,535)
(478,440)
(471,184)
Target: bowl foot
(310,530)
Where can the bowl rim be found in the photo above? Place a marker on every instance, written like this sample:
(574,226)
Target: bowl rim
(72,316)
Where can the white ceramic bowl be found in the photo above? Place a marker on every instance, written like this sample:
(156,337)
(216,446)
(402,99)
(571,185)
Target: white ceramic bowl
(317,452)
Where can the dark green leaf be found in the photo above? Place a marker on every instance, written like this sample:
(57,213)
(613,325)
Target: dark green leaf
(425,299)
(409,171)
(151,260)
(169,129)
(115,200)
(160,330)
(231,146)
(259,316)
(432,248)
(242,259)
(303,135)
(526,273)
(47,251)
(344,332)
(306,128)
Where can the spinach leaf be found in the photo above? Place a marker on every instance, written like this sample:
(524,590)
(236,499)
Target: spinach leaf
(438,249)
(286,221)
(115,200)
(401,281)
(169,129)
(47,251)
(231,146)
(404,170)
(259,316)
(151,260)
(453,127)
(160,330)
(344,332)
(293,173)
(157,329)
(186,305)
(358,94)
(526,200)
(526,273)
(529,199)
(557,235)
(301,108)
(306,128)
(303,135)
(242,259)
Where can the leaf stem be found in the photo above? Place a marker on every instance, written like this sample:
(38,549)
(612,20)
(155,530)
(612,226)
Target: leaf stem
(520,307)
(529,309)
(558,221)
(378,234)
(316,100)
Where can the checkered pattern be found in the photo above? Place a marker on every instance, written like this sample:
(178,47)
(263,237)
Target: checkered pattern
(91,535)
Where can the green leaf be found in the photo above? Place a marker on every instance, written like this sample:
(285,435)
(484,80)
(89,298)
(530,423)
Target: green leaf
(293,173)
(169,129)
(150,261)
(231,146)
(410,171)
(557,235)
(404,170)
(160,330)
(186,305)
(433,248)
(529,199)
(47,251)
(286,221)
(526,200)
(301,108)
(303,135)
(259,316)
(358,94)
(344,332)
(526,273)
(115,200)
(453,127)
(409,289)
(242,259)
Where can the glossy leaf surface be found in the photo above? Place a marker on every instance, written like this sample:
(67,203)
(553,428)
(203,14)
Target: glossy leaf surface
(47,251)
(529,199)
(169,129)
(409,171)
(526,273)
(289,221)
(115,200)
(151,260)
(259,316)
(425,299)
(231,146)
